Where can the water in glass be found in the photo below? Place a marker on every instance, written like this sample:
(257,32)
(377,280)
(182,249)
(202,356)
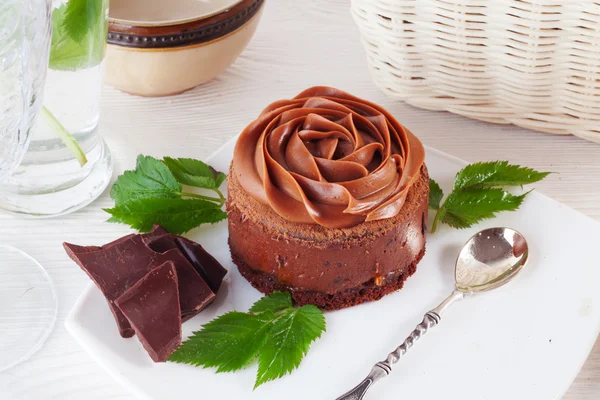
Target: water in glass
(49,180)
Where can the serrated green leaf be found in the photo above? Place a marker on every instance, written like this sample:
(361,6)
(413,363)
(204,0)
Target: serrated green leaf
(228,342)
(176,215)
(476,195)
(194,172)
(496,173)
(220,178)
(150,194)
(464,208)
(78,43)
(114,220)
(280,338)
(151,179)
(288,341)
(435,195)
(155,170)
(275,302)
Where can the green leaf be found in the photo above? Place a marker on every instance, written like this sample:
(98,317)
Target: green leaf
(194,173)
(81,16)
(288,341)
(176,215)
(476,195)
(151,179)
(464,208)
(275,302)
(220,178)
(496,173)
(435,195)
(228,342)
(273,329)
(150,194)
(78,43)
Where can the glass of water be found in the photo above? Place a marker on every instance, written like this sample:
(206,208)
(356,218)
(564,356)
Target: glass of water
(67,164)
(28,304)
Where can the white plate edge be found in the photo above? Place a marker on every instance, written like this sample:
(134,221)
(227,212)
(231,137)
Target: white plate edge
(77,332)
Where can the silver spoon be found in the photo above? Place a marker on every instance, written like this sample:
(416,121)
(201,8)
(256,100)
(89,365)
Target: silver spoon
(488,260)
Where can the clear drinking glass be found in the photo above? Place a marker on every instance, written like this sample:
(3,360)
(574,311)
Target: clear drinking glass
(51,179)
(28,305)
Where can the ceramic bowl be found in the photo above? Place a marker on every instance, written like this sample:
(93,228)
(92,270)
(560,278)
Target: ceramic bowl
(159,48)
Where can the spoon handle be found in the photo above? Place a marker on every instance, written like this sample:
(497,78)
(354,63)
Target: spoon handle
(383,368)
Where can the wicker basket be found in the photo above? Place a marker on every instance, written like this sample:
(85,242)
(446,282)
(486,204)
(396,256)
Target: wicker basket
(535,64)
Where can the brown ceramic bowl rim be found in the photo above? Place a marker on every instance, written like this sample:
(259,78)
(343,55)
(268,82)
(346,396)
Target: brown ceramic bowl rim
(194,32)
(172,21)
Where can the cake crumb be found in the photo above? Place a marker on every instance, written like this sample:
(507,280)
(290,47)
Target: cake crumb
(281,261)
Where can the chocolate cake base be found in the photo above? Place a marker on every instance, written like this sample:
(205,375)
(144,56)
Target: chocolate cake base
(267,283)
(330,268)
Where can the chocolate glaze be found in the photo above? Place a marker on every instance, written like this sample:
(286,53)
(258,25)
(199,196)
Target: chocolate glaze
(151,306)
(326,157)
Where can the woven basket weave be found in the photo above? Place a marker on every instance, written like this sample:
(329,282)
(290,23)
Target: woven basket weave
(535,64)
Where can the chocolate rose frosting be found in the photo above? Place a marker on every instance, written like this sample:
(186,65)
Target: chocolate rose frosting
(326,157)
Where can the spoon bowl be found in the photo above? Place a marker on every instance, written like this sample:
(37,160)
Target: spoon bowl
(489,259)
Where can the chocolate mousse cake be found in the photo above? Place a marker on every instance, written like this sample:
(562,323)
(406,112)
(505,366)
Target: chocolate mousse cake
(328,198)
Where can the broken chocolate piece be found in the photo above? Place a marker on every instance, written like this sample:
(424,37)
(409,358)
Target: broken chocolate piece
(205,264)
(157,230)
(209,269)
(116,267)
(161,243)
(88,249)
(152,308)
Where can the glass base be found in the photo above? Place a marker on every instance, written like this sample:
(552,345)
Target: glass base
(48,189)
(28,306)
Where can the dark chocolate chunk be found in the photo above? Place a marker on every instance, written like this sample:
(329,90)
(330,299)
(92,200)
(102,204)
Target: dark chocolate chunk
(157,230)
(152,308)
(161,243)
(206,265)
(194,293)
(88,249)
(116,267)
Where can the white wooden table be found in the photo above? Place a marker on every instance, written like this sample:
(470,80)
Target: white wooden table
(298,44)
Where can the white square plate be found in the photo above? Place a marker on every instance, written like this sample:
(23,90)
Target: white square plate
(526,340)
